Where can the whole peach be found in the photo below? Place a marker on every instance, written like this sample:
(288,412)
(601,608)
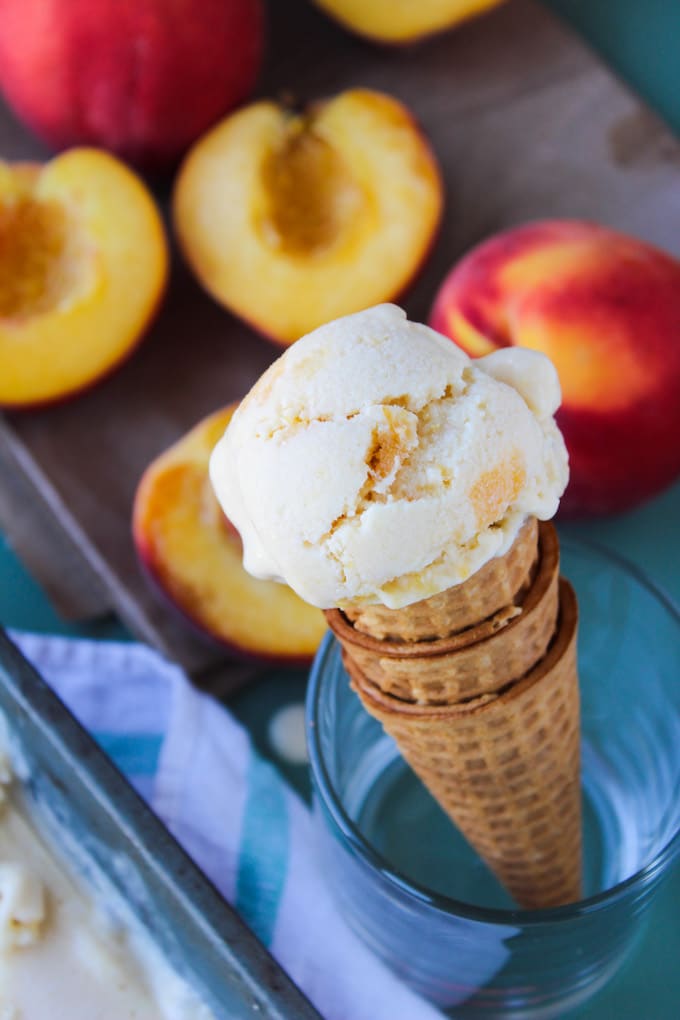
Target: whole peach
(143,79)
(605,308)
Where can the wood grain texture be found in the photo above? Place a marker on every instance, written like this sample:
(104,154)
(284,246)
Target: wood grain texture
(526,124)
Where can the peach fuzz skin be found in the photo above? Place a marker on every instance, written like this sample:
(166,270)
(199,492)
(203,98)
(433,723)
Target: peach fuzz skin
(193,554)
(605,308)
(74,233)
(402,21)
(291,220)
(141,79)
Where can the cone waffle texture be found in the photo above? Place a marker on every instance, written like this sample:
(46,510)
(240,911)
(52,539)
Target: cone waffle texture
(487,714)
(489,590)
(478,660)
(505,767)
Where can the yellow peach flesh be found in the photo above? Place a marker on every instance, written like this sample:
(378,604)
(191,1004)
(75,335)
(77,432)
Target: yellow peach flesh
(403,20)
(311,194)
(293,221)
(196,556)
(82,262)
(42,263)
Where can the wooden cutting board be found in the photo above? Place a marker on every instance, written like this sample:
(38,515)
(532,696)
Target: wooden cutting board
(526,124)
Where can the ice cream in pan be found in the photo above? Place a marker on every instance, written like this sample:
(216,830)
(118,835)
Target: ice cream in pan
(67,948)
(406,489)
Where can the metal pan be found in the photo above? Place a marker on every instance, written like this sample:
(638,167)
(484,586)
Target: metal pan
(71,781)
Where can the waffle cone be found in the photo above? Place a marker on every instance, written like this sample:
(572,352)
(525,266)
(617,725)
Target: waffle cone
(485,708)
(493,587)
(505,766)
(482,658)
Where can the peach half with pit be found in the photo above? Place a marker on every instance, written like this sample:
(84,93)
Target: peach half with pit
(605,307)
(83,266)
(402,21)
(292,219)
(194,554)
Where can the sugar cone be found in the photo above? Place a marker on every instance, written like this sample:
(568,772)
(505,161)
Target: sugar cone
(501,755)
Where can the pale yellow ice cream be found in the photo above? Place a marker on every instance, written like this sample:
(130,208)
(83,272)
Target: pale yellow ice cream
(374,461)
(63,955)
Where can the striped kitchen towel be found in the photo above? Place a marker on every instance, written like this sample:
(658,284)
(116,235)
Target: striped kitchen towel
(231,811)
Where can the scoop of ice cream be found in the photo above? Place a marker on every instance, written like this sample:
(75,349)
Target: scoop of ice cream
(374,461)
(22,905)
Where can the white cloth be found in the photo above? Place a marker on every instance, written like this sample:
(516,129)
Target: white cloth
(230,810)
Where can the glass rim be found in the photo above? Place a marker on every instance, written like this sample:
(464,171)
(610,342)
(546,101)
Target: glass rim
(323,787)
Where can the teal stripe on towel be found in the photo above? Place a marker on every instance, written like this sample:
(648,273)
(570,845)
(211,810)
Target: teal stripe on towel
(263,860)
(135,754)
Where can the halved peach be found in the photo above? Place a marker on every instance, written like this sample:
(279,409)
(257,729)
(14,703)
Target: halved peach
(401,21)
(83,264)
(290,220)
(194,554)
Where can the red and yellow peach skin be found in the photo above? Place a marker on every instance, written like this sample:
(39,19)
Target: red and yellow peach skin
(605,308)
(141,79)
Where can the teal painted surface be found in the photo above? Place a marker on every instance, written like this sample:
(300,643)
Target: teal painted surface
(648,536)
(23,605)
(641,41)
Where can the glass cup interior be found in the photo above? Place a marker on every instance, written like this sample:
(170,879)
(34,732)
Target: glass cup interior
(416,891)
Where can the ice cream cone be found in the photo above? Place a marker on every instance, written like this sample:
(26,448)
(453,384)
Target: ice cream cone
(375,463)
(502,645)
(492,588)
(489,719)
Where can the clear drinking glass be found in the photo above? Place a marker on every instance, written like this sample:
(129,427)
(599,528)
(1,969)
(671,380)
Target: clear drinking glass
(415,891)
